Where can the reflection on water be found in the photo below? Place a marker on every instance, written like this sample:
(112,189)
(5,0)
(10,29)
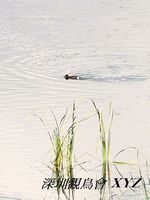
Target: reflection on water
(103,42)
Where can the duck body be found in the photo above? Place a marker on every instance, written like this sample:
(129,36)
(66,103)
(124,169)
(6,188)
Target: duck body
(67,77)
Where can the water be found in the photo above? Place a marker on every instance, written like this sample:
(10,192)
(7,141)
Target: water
(106,43)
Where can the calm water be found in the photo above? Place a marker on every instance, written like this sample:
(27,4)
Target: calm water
(105,42)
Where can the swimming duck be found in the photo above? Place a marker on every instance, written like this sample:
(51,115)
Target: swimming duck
(71,77)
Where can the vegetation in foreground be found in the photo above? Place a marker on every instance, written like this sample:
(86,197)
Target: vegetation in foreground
(62,142)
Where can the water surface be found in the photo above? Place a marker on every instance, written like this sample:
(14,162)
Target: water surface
(106,43)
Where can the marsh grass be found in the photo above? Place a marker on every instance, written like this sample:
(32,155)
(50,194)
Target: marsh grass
(136,164)
(105,140)
(63,140)
(64,152)
(70,149)
(58,170)
(145,190)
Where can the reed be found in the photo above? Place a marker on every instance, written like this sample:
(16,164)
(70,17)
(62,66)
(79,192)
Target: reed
(63,149)
(137,163)
(70,149)
(58,149)
(105,140)
(63,140)
(64,153)
(145,190)
(57,142)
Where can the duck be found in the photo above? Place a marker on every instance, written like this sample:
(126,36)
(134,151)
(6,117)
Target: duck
(71,77)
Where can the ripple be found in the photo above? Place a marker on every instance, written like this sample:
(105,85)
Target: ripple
(17,196)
